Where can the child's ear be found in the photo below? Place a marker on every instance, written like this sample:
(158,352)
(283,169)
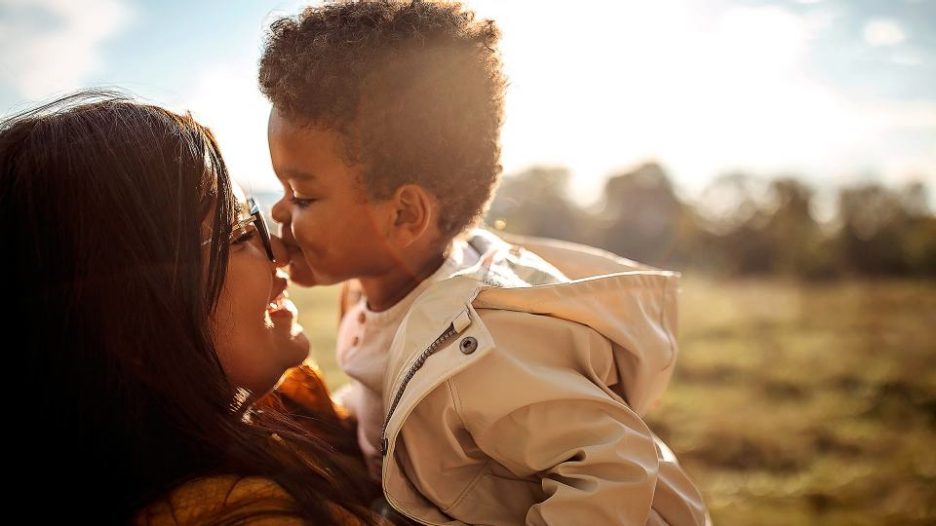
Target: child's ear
(413,209)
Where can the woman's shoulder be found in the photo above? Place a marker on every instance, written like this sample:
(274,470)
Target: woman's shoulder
(232,499)
(304,385)
(303,395)
(220,499)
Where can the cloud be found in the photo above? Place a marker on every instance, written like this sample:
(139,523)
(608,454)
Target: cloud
(225,98)
(50,46)
(703,88)
(907,59)
(883,32)
(699,88)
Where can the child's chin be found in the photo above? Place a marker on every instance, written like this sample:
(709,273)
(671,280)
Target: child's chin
(303,275)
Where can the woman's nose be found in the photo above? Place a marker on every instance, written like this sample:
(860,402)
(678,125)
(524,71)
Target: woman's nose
(280,253)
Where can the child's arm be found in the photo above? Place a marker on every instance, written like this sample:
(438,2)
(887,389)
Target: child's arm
(538,407)
(349,294)
(347,398)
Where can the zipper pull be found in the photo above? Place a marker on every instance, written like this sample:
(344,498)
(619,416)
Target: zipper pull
(462,321)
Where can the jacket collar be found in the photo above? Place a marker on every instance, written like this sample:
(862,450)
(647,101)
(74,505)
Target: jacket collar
(632,305)
(426,349)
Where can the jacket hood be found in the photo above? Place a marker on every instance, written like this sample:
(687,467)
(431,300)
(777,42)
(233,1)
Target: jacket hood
(632,305)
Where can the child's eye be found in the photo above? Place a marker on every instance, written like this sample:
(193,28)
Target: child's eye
(301,202)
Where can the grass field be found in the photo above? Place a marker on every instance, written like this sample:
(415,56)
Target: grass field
(792,403)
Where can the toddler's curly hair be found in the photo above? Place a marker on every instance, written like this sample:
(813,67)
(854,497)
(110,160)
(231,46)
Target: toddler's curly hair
(415,88)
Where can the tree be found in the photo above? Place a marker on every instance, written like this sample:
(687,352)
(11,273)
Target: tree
(643,219)
(534,203)
(734,213)
(872,219)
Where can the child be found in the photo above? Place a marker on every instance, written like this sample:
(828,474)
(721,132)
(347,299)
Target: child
(495,384)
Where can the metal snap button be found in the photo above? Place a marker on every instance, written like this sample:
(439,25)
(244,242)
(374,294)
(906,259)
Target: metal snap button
(468,345)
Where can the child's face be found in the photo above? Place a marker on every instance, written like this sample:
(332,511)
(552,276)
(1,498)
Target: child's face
(332,230)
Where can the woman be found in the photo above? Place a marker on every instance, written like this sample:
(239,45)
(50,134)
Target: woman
(154,319)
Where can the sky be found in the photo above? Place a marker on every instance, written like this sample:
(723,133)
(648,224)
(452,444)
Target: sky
(835,91)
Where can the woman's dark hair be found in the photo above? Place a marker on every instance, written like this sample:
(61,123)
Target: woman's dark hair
(415,88)
(102,202)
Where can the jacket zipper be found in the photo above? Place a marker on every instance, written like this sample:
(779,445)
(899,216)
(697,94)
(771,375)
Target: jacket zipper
(429,351)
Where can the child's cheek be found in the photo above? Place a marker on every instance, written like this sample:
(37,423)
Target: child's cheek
(305,235)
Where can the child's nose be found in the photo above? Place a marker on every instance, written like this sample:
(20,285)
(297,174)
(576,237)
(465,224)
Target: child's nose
(280,212)
(280,253)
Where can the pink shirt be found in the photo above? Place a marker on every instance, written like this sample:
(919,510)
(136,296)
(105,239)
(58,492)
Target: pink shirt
(364,336)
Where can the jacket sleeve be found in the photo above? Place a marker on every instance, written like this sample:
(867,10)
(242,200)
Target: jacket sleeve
(538,406)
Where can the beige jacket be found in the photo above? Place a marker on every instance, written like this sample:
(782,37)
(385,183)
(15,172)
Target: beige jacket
(515,393)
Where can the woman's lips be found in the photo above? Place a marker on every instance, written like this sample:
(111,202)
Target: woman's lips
(279,288)
(283,307)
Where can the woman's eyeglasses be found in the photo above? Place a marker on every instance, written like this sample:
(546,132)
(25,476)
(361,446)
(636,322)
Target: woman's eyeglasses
(256,218)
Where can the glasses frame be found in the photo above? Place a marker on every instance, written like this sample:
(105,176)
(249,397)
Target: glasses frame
(256,217)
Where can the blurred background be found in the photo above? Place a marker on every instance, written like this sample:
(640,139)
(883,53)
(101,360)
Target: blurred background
(781,154)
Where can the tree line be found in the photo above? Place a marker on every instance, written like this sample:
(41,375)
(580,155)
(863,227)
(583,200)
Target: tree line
(740,224)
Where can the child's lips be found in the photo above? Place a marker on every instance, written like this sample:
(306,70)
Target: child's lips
(300,272)
(294,250)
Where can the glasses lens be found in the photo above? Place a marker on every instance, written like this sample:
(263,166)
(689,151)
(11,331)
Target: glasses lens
(261,225)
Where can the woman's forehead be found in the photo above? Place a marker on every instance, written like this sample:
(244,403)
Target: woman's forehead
(240,200)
